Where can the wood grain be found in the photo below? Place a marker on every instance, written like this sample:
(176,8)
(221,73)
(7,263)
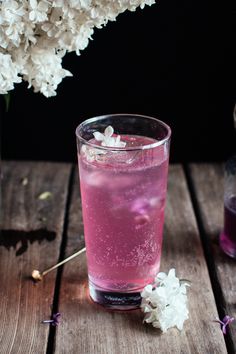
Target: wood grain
(75,231)
(30,239)
(208,180)
(88,328)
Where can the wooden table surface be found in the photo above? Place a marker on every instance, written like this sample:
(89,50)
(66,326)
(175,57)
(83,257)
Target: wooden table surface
(38,233)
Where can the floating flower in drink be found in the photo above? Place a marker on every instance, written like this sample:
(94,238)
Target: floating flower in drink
(107,139)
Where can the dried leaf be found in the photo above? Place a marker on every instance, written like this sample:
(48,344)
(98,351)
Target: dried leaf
(45,195)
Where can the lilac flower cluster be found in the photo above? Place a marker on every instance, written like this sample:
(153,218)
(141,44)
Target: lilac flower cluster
(36,34)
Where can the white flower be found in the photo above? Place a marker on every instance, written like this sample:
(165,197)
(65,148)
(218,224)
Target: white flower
(165,304)
(91,154)
(11,11)
(8,74)
(44,71)
(29,28)
(38,11)
(107,139)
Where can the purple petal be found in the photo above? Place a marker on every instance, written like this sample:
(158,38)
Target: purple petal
(227,319)
(56,318)
(55,323)
(56,315)
(220,322)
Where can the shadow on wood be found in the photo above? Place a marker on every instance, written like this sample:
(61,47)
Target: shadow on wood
(13,238)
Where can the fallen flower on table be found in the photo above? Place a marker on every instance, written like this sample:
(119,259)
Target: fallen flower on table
(24,181)
(165,302)
(55,319)
(36,275)
(225,322)
(44,195)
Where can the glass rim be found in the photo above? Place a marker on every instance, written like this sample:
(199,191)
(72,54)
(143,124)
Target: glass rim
(130,148)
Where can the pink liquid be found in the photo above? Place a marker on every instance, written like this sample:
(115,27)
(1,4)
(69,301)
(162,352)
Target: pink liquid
(123,199)
(228,236)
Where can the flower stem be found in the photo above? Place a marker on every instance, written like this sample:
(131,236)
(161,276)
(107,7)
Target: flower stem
(64,261)
(37,275)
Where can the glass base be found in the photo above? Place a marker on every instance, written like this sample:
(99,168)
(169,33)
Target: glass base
(115,300)
(227,246)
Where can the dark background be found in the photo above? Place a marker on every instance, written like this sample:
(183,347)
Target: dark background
(174,60)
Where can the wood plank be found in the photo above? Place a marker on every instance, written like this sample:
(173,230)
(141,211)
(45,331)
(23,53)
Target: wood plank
(75,230)
(88,328)
(30,239)
(208,181)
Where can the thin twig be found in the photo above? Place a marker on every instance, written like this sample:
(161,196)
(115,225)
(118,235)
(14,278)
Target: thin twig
(37,275)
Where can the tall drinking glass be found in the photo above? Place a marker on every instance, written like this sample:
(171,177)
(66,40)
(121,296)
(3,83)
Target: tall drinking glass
(123,191)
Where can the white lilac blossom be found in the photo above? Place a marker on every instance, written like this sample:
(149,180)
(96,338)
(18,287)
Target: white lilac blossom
(106,139)
(165,302)
(8,74)
(36,34)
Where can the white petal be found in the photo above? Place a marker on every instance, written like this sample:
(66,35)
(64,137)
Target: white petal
(122,144)
(108,141)
(109,131)
(32,15)
(171,272)
(146,291)
(119,143)
(160,276)
(156,324)
(33,4)
(146,308)
(117,139)
(98,136)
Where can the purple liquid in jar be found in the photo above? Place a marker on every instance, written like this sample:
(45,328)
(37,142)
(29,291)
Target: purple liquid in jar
(228,235)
